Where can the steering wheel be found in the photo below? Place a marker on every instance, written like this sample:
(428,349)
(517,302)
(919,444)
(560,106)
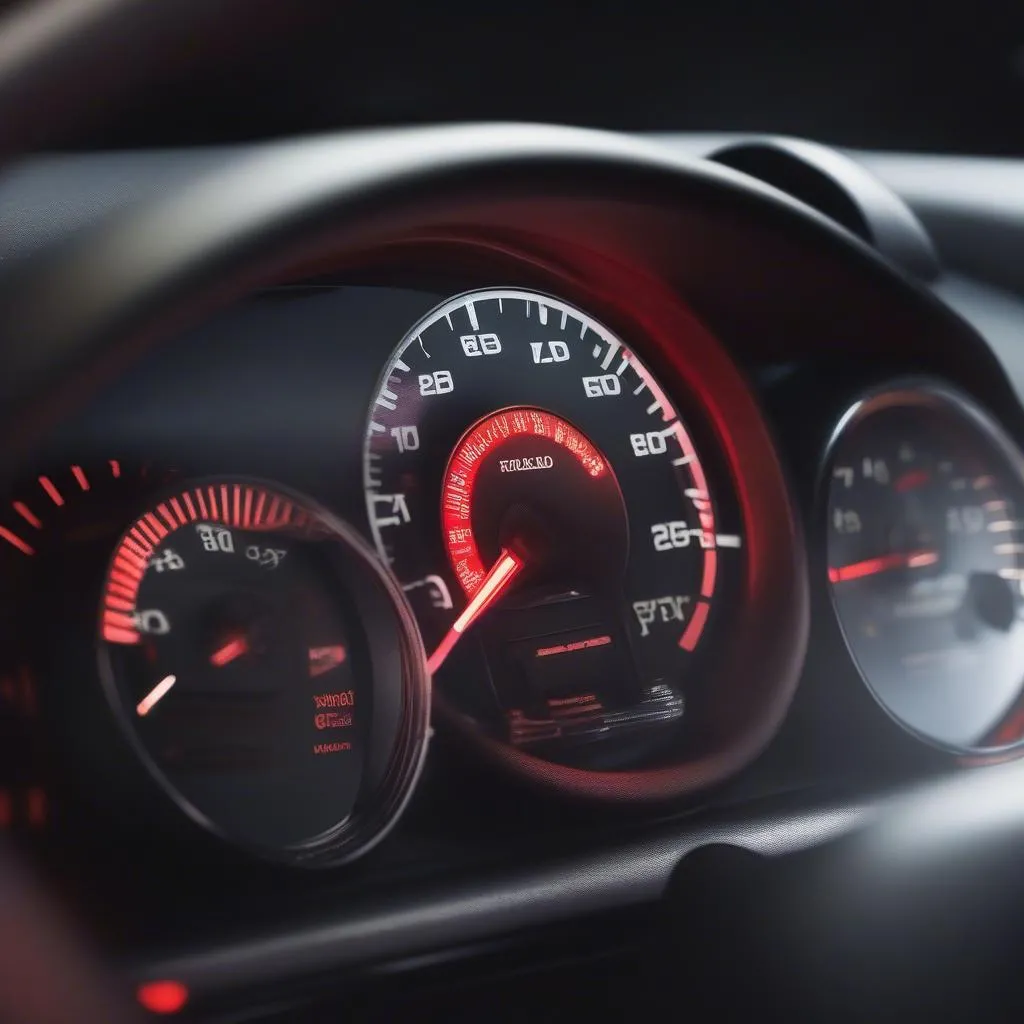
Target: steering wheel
(929,867)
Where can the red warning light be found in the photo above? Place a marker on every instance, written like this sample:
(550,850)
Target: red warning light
(323,659)
(162,997)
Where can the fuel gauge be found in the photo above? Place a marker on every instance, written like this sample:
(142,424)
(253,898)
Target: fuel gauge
(926,563)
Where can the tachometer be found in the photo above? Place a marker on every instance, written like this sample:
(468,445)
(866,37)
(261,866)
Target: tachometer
(265,669)
(522,461)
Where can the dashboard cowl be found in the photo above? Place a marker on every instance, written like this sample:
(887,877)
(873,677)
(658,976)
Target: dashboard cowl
(842,190)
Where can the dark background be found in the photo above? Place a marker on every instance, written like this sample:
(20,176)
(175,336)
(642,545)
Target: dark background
(943,78)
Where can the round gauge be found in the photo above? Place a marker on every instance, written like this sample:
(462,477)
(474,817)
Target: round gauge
(266,668)
(926,563)
(545,506)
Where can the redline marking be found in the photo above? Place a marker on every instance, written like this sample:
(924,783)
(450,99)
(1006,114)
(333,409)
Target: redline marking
(247,509)
(236,518)
(155,525)
(79,474)
(119,604)
(125,581)
(155,695)
(275,503)
(113,635)
(214,512)
(13,538)
(119,590)
(578,645)
(201,501)
(23,510)
(707,584)
(147,532)
(189,507)
(115,468)
(225,505)
(167,517)
(47,485)
(260,502)
(688,641)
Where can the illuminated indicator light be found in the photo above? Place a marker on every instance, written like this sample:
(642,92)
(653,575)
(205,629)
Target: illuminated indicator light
(707,585)
(323,659)
(236,518)
(688,641)
(872,566)
(23,511)
(247,509)
(189,507)
(113,635)
(6,809)
(36,806)
(47,485)
(579,645)
(502,573)
(155,695)
(16,541)
(225,505)
(115,468)
(912,480)
(79,474)
(232,649)
(260,502)
(162,997)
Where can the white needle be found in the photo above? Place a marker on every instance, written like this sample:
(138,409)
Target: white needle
(156,694)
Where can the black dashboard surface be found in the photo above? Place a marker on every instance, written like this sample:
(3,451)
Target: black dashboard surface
(278,387)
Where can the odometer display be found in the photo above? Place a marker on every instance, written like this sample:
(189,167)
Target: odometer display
(511,425)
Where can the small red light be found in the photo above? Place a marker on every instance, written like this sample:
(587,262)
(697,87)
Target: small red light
(162,996)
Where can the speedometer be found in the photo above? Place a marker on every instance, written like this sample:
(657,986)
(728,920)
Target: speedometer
(551,519)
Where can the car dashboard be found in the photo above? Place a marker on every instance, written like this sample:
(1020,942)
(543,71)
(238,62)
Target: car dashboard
(456,582)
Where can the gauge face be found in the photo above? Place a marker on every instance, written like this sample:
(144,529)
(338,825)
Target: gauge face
(235,652)
(926,562)
(521,461)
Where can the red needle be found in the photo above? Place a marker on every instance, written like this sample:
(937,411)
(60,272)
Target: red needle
(870,566)
(495,583)
(231,650)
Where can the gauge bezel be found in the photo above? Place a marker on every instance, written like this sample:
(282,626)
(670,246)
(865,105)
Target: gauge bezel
(761,673)
(936,395)
(394,651)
